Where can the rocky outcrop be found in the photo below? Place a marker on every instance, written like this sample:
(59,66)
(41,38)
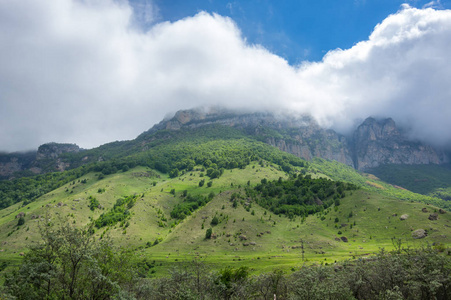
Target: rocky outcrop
(381,142)
(419,234)
(299,135)
(373,143)
(54,150)
(11,163)
(46,159)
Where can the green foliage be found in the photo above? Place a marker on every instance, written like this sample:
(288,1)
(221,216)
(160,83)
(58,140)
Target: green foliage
(299,196)
(118,213)
(208,233)
(93,203)
(174,173)
(189,204)
(411,274)
(422,179)
(214,147)
(21,221)
(69,264)
(341,172)
(214,221)
(31,188)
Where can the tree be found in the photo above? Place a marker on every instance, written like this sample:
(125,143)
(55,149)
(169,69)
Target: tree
(70,264)
(208,233)
(174,173)
(214,221)
(21,221)
(93,203)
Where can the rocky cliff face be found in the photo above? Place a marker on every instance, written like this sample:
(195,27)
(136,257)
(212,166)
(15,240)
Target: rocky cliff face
(300,136)
(54,150)
(373,142)
(381,142)
(46,159)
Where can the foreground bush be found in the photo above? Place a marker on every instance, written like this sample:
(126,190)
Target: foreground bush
(407,274)
(70,264)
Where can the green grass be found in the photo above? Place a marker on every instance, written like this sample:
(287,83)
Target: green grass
(338,171)
(277,247)
(422,179)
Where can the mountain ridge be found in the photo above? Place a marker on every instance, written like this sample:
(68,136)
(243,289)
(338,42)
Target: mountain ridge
(374,142)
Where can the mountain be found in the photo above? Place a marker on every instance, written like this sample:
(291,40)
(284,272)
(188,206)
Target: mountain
(373,143)
(264,206)
(212,187)
(46,159)
(381,142)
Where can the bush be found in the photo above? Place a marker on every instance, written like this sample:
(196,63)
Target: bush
(214,221)
(208,233)
(21,221)
(69,263)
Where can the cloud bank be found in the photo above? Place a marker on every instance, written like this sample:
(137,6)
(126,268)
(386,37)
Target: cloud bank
(85,72)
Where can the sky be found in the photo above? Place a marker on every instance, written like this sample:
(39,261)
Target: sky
(96,71)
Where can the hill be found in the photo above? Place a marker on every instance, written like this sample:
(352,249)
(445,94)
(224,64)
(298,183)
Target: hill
(161,200)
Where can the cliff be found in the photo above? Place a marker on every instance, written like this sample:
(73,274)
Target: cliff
(45,159)
(373,143)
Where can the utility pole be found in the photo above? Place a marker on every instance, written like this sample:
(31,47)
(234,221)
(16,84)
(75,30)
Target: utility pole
(302,248)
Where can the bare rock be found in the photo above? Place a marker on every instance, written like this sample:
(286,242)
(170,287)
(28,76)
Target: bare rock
(404,217)
(419,234)
(424,209)
(433,217)
(21,214)
(442,211)
(243,237)
(344,239)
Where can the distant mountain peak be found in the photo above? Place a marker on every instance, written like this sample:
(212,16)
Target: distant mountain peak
(376,141)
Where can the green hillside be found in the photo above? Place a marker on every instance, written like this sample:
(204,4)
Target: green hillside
(220,196)
(433,180)
(245,235)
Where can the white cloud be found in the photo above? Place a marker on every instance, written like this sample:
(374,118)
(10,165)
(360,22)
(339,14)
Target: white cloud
(80,71)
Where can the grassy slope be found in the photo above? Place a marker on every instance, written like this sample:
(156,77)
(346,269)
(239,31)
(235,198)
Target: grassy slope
(338,171)
(374,228)
(423,179)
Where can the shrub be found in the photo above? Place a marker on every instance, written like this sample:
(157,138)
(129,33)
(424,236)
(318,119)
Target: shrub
(208,233)
(21,221)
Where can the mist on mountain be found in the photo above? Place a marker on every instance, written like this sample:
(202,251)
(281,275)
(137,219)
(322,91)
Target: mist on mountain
(78,72)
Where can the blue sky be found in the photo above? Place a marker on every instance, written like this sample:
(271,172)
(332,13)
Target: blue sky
(295,30)
(107,70)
